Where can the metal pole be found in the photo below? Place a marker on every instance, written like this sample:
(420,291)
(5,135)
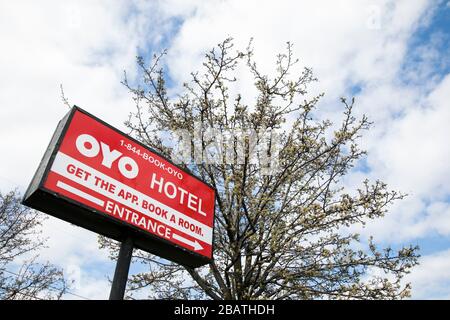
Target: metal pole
(121,273)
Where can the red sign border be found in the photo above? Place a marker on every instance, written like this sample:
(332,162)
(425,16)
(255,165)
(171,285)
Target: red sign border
(48,164)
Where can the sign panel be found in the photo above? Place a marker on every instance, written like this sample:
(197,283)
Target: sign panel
(99,178)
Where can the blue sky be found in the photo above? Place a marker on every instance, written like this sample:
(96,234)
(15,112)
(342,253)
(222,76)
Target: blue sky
(433,35)
(391,55)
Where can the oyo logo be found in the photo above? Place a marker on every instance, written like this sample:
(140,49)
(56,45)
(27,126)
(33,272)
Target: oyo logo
(90,147)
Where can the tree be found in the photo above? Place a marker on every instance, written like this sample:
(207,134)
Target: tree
(19,237)
(282,216)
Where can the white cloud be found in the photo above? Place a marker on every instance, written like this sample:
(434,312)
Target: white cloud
(430,280)
(411,154)
(85,285)
(327,35)
(414,151)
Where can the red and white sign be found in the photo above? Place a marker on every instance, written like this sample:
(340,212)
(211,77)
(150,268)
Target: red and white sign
(105,170)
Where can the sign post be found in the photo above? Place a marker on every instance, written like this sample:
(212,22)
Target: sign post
(122,267)
(97,177)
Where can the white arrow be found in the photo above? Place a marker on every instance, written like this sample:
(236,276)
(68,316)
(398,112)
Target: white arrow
(197,246)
